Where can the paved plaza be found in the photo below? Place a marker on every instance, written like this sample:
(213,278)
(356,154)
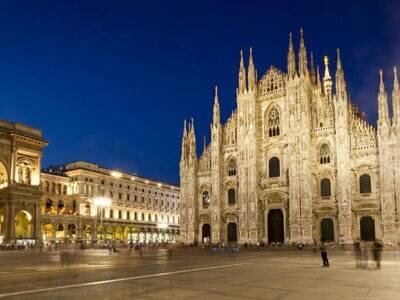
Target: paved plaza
(195,274)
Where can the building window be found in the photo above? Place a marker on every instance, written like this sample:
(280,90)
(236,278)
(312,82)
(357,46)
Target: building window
(325,154)
(87,208)
(274,167)
(206,199)
(142,216)
(60,206)
(325,187)
(273,122)
(232,168)
(231,196)
(119,196)
(111,214)
(111,194)
(128,215)
(365,184)
(128,197)
(49,204)
(149,218)
(120,214)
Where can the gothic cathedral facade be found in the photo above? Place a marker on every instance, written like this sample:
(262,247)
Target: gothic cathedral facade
(296,162)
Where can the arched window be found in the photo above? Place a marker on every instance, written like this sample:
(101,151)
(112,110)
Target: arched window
(135,215)
(3,176)
(206,199)
(64,189)
(274,167)
(325,187)
(149,218)
(365,184)
(155,218)
(87,208)
(60,206)
(128,215)
(324,154)
(47,186)
(49,204)
(120,214)
(59,188)
(273,122)
(111,214)
(142,216)
(231,196)
(232,168)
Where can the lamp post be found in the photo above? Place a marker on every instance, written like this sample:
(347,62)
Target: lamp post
(101,202)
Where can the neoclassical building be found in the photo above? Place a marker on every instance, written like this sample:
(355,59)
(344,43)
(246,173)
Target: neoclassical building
(59,203)
(295,162)
(141,209)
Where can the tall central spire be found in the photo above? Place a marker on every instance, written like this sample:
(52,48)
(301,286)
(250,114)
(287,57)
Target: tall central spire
(216,110)
(396,99)
(252,75)
(291,60)
(242,74)
(383,109)
(302,55)
(340,81)
(327,79)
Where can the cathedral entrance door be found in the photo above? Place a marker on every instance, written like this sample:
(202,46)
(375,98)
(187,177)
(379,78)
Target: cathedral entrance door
(275,226)
(206,233)
(367,228)
(232,232)
(327,232)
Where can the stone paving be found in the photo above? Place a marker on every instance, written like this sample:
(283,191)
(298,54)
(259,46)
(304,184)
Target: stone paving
(196,274)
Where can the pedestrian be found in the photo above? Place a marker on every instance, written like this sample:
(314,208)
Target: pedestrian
(377,253)
(357,251)
(131,246)
(324,254)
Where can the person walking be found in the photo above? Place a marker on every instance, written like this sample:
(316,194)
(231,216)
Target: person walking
(377,253)
(131,246)
(324,254)
(357,251)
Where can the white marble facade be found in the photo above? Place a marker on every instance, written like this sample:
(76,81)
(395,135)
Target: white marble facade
(295,162)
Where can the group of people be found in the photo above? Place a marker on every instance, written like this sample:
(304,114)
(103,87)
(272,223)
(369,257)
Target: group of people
(362,252)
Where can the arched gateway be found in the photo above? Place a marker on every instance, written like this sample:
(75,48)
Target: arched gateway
(205,233)
(275,226)
(327,231)
(367,228)
(232,232)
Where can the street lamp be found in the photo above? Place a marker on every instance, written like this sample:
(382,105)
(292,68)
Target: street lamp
(101,202)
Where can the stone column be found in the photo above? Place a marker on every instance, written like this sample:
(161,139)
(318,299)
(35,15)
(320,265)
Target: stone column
(36,220)
(6,222)
(11,223)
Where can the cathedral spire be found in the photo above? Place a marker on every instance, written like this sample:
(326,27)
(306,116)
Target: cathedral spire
(312,68)
(291,60)
(396,98)
(216,110)
(204,144)
(318,78)
(251,75)
(184,129)
(340,81)
(242,74)
(383,109)
(327,79)
(302,55)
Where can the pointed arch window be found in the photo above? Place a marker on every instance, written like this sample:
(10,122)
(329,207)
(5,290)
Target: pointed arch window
(324,154)
(274,168)
(273,122)
(206,199)
(365,184)
(325,187)
(231,196)
(232,168)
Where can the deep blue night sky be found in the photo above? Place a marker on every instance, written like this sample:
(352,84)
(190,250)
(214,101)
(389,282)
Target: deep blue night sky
(112,81)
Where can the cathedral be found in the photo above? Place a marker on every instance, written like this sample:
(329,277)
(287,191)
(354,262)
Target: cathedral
(296,162)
